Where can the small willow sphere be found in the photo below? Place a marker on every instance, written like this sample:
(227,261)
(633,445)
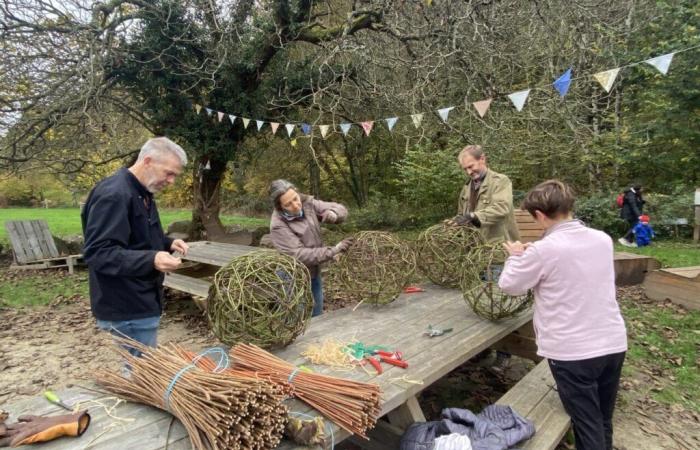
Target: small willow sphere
(375,268)
(480,285)
(443,252)
(262,298)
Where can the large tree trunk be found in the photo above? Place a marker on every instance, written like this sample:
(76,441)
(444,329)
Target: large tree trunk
(206,223)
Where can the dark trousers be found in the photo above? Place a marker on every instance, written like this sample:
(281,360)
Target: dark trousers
(630,233)
(588,389)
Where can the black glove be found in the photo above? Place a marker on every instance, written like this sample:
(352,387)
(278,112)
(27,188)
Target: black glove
(463,220)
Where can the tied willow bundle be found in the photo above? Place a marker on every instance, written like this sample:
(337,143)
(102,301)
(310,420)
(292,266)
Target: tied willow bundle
(263,297)
(219,411)
(352,405)
(443,251)
(480,285)
(375,268)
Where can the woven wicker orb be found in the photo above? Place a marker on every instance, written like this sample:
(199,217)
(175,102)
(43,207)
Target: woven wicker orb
(480,285)
(262,298)
(376,268)
(443,251)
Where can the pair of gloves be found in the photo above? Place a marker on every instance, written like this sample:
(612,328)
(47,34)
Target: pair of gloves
(343,246)
(464,219)
(32,429)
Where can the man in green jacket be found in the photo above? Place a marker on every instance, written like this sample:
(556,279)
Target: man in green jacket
(486,200)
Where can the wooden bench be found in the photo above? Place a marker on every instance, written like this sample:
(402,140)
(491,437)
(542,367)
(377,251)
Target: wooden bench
(33,247)
(527,227)
(680,285)
(535,398)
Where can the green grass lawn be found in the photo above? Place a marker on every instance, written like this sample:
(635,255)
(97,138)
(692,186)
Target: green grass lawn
(66,221)
(669,253)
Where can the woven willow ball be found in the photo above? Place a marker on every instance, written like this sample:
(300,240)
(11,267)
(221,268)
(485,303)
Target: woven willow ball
(262,298)
(443,252)
(479,285)
(375,268)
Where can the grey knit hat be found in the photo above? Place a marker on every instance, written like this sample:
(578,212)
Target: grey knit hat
(278,188)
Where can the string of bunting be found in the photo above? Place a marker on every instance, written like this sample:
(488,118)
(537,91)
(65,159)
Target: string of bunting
(606,79)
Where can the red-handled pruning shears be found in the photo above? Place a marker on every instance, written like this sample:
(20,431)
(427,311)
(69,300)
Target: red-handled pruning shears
(413,289)
(375,364)
(393,358)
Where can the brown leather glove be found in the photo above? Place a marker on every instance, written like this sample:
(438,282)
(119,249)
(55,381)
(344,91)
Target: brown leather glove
(343,245)
(32,429)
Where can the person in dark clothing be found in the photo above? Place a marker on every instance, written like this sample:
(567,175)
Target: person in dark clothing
(632,206)
(126,251)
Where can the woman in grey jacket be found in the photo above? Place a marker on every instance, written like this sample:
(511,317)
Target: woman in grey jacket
(295,230)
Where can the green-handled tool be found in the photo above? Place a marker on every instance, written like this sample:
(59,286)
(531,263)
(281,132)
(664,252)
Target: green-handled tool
(56,400)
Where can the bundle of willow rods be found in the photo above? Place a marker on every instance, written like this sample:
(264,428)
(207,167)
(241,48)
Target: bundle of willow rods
(219,411)
(263,297)
(375,268)
(444,250)
(352,405)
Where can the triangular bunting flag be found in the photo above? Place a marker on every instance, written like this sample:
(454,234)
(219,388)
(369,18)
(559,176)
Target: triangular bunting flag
(208,166)
(417,119)
(607,78)
(444,112)
(324,130)
(290,129)
(197,108)
(232,118)
(306,129)
(390,122)
(246,121)
(367,126)
(294,142)
(519,98)
(345,127)
(209,111)
(482,106)
(260,124)
(562,83)
(662,63)
(274,126)
(221,115)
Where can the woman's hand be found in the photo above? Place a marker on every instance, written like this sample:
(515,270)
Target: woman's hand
(516,248)
(329,217)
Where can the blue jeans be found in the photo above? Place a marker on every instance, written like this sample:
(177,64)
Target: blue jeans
(317,292)
(143,330)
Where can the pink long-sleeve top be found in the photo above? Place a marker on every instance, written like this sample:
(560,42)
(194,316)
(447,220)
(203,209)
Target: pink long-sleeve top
(571,271)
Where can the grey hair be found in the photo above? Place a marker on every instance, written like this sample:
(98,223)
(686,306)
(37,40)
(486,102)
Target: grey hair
(159,146)
(277,189)
(476,151)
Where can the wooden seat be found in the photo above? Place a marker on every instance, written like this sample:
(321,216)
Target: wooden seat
(527,227)
(680,285)
(534,398)
(33,246)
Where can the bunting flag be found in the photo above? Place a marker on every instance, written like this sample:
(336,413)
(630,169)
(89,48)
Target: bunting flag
(324,130)
(209,111)
(519,98)
(306,129)
(367,126)
(482,106)
(290,129)
(232,118)
(390,122)
(220,115)
(208,166)
(197,108)
(260,124)
(444,112)
(417,119)
(246,121)
(293,142)
(345,127)
(274,126)
(607,78)
(562,83)
(662,63)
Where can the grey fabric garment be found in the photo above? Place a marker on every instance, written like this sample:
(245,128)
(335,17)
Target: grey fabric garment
(497,427)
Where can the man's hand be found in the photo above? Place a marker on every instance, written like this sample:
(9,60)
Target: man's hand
(516,248)
(165,262)
(329,217)
(179,245)
(463,220)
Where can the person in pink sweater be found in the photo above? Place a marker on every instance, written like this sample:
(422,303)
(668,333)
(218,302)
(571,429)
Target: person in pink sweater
(577,321)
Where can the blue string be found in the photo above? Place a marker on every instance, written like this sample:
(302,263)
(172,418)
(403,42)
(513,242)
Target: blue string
(307,416)
(292,375)
(220,366)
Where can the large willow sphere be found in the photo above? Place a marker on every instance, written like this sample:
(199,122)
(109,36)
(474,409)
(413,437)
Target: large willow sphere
(480,285)
(375,268)
(262,298)
(443,252)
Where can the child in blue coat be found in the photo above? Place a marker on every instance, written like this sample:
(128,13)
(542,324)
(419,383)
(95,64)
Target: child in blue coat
(643,232)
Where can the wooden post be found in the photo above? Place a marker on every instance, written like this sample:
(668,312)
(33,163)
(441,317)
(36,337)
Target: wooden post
(696,230)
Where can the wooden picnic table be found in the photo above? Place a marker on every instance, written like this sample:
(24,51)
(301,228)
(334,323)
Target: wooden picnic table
(399,325)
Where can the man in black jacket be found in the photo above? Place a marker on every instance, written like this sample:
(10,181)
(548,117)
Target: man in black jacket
(126,251)
(632,206)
